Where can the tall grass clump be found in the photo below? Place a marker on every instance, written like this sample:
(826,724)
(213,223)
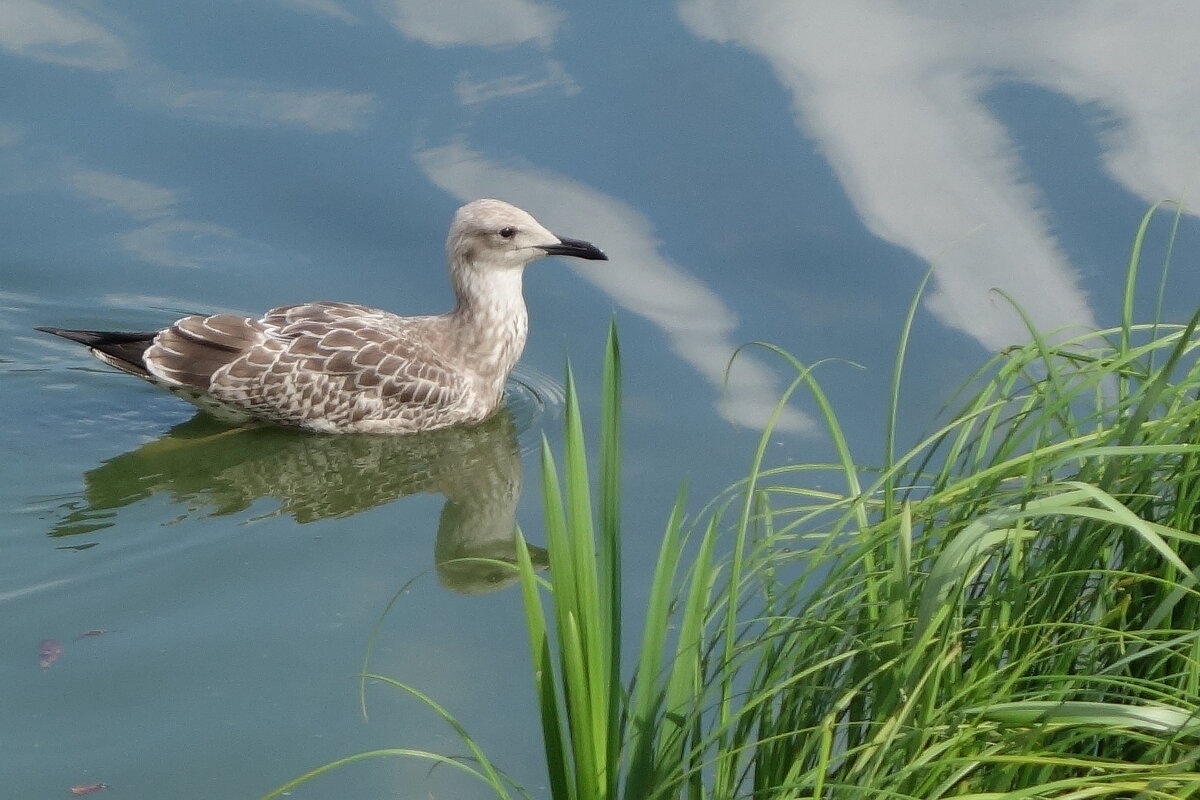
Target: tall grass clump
(1006,609)
(602,738)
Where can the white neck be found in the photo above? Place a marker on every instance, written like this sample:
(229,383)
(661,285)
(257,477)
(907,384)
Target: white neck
(491,318)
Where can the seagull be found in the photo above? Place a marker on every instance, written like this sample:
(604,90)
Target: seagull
(334,367)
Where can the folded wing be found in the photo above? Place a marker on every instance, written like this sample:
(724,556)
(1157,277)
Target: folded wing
(326,366)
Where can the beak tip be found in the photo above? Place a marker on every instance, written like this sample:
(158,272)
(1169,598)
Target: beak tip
(576,248)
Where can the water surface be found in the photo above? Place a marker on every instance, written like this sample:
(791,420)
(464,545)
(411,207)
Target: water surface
(758,170)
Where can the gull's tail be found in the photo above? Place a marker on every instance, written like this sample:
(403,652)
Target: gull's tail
(121,349)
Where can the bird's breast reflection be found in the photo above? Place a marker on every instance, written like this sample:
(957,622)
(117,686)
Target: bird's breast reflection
(214,470)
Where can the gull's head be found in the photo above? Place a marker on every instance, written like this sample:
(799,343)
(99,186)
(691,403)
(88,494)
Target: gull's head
(492,234)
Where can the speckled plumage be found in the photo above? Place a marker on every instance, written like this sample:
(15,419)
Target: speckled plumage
(344,368)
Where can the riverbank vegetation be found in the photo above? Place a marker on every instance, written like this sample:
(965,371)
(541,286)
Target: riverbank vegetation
(1006,609)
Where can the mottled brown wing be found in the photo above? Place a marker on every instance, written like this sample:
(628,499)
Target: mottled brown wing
(326,366)
(189,352)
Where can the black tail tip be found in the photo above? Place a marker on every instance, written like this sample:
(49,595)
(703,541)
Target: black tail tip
(83,337)
(100,338)
(86,338)
(66,333)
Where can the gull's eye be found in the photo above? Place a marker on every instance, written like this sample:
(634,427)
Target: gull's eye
(508,232)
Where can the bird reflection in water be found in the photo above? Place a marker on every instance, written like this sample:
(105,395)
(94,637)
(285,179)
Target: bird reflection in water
(216,470)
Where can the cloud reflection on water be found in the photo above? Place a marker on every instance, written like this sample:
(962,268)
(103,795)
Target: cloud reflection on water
(471,90)
(489,23)
(138,199)
(326,8)
(165,238)
(44,32)
(244,103)
(894,94)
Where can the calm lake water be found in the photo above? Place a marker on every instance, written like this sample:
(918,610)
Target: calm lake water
(760,170)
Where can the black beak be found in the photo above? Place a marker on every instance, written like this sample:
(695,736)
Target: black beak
(574,247)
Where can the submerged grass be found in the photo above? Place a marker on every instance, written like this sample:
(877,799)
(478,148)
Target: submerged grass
(1006,610)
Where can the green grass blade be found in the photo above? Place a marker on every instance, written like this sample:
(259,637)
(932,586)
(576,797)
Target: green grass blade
(610,548)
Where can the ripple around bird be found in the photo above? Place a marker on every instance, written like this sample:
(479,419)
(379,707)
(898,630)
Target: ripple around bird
(534,399)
